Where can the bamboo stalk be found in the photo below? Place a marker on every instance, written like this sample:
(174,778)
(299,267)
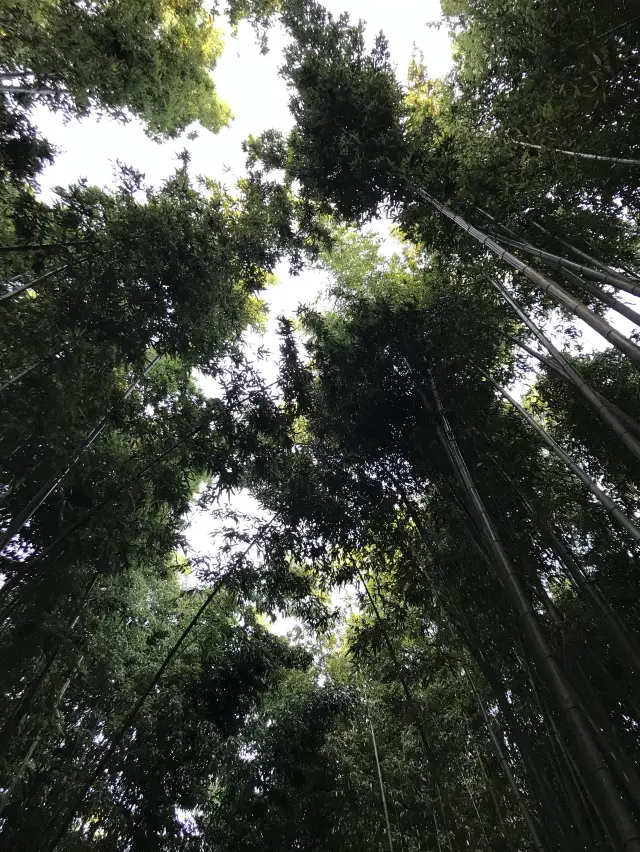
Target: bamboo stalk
(30,284)
(380,779)
(529,821)
(620,161)
(620,282)
(597,401)
(616,513)
(580,253)
(619,634)
(432,770)
(602,783)
(25,90)
(606,298)
(22,374)
(546,285)
(25,515)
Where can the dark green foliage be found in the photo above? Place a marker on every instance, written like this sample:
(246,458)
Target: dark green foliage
(492,648)
(347,144)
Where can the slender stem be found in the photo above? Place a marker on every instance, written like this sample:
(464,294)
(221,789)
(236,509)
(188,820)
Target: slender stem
(380,779)
(30,284)
(25,515)
(25,90)
(433,771)
(620,282)
(548,362)
(621,161)
(533,275)
(606,298)
(529,821)
(593,261)
(597,401)
(22,374)
(39,246)
(616,513)
(619,634)
(601,779)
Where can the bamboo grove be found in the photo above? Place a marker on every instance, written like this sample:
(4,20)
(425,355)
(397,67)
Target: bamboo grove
(451,443)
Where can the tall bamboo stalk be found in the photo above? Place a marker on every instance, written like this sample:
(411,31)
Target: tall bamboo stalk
(624,418)
(620,636)
(603,498)
(11,725)
(601,781)
(589,317)
(615,279)
(532,825)
(30,284)
(606,298)
(539,356)
(593,261)
(35,565)
(17,776)
(537,781)
(42,246)
(433,770)
(618,161)
(381,780)
(577,806)
(130,718)
(545,284)
(25,90)
(22,374)
(597,401)
(132,714)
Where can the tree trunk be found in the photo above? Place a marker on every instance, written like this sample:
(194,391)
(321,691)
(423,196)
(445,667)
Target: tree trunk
(30,284)
(616,513)
(601,782)
(619,161)
(596,400)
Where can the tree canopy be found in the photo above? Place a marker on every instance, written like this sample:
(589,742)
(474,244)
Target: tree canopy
(437,486)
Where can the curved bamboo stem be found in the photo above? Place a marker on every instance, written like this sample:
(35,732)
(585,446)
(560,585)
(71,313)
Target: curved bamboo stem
(546,285)
(616,280)
(583,254)
(606,298)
